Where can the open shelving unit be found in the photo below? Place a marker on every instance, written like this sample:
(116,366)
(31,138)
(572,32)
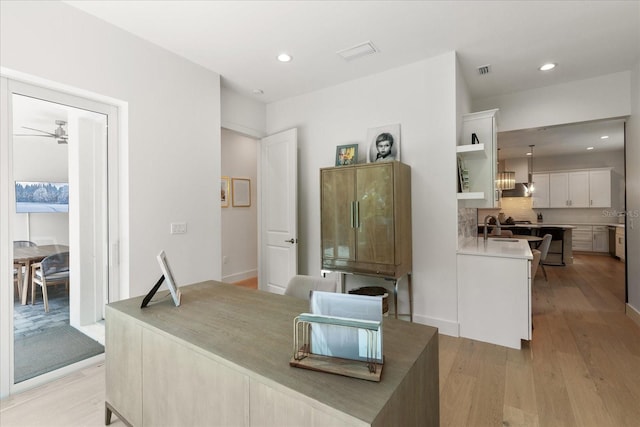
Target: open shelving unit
(479,159)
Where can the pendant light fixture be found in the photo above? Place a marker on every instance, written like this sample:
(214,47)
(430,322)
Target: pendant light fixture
(530,183)
(505,180)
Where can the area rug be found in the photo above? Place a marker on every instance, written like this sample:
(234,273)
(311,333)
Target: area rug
(52,349)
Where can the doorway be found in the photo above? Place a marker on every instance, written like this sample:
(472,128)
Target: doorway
(239,230)
(58,144)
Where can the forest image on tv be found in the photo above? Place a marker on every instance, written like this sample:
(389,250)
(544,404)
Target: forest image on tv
(37,197)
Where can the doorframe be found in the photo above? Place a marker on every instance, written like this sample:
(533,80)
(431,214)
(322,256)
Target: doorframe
(117,249)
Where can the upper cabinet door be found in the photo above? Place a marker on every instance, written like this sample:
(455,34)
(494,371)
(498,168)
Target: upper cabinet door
(600,188)
(541,190)
(579,189)
(374,214)
(558,190)
(338,213)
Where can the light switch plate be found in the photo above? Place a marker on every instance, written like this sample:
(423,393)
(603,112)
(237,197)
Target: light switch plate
(178,227)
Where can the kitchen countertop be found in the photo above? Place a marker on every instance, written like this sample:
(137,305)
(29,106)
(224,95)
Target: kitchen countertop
(500,247)
(536,225)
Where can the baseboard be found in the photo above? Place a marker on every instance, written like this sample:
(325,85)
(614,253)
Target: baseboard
(231,278)
(445,327)
(632,313)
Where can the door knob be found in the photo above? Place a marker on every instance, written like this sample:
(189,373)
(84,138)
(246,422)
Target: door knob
(292,240)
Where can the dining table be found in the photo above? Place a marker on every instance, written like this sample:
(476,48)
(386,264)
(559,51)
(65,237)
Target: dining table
(28,255)
(534,241)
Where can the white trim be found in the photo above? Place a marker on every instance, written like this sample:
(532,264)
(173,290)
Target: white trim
(58,373)
(445,327)
(236,277)
(117,111)
(632,313)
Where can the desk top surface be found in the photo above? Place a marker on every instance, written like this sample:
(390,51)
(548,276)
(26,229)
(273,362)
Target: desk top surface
(254,331)
(37,252)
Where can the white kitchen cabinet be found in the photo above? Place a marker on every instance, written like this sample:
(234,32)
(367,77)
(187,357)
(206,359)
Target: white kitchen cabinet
(494,292)
(600,188)
(600,238)
(620,253)
(558,190)
(480,159)
(582,238)
(580,189)
(540,197)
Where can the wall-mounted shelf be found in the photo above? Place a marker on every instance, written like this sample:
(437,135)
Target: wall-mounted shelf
(476,195)
(472,149)
(479,160)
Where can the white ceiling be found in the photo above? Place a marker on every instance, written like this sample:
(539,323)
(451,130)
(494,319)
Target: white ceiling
(562,140)
(241,39)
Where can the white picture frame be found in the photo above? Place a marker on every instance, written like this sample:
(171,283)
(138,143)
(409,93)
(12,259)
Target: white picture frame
(388,136)
(168,277)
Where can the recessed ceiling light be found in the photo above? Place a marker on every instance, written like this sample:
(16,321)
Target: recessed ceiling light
(284,57)
(257,92)
(589,148)
(547,67)
(604,137)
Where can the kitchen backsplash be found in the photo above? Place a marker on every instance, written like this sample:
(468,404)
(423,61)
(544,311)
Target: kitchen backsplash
(519,208)
(467,224)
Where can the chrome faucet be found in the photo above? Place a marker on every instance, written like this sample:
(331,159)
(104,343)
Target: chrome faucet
(485,225)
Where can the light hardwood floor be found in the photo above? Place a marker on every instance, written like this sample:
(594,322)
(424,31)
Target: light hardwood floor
(582,367)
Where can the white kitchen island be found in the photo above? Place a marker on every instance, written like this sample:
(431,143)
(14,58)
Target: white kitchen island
(494,290)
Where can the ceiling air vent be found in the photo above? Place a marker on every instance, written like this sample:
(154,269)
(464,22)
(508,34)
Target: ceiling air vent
(484,69)
(362,49)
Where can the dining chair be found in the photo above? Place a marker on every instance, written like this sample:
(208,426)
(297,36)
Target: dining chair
(535,262)
(18,268)
(301,286)
(544,250)
(23,243)
(52,270)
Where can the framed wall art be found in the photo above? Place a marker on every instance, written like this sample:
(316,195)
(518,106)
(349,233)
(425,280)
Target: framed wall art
(241,192)
(346,154)
(224,191)
(384,143)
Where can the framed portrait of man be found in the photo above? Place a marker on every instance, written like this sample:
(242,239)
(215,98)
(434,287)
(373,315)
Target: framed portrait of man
(384,143)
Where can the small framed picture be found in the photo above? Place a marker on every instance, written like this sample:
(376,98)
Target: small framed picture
(224,191)
(346,154)
(384,143)
(241,192)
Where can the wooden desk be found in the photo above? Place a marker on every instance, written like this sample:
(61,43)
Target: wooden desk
(28,255)
(222,358)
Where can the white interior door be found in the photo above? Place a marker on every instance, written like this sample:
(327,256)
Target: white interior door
(278,210)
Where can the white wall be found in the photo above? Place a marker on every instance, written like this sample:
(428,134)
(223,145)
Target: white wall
(422,98)
(240,224)
(171,140)
(633,194)
(579,101)
(243,113)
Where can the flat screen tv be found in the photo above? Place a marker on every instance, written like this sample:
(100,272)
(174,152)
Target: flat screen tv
(42,197)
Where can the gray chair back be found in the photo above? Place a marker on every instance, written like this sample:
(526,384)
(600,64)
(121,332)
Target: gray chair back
(544,246)
(301,286)
(22,244)
(56,264)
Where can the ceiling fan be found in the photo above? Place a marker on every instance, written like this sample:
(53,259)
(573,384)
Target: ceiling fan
(60,134)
